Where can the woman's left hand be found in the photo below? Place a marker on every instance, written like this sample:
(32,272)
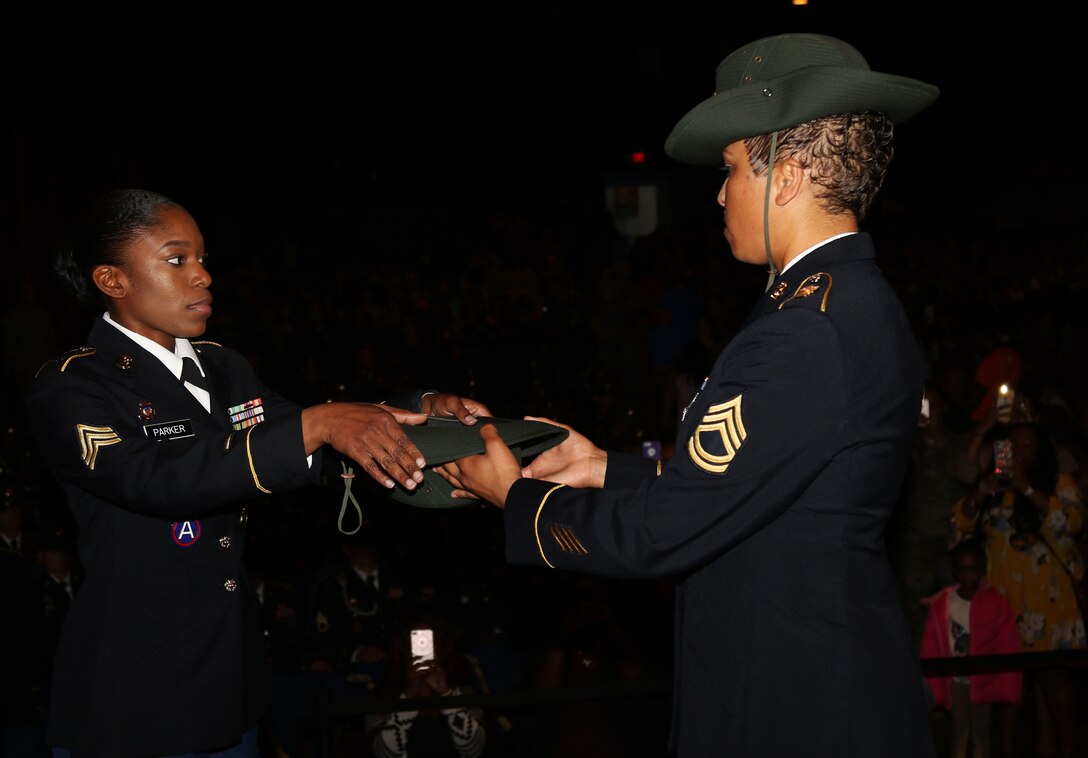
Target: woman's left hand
(445,404)
(487,476)
(426,678)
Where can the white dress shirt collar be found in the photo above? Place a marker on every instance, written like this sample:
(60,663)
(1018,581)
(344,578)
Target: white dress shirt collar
(172,360)
(814,247)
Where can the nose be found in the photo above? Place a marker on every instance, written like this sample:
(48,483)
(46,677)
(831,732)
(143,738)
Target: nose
(721,194)
(201,277)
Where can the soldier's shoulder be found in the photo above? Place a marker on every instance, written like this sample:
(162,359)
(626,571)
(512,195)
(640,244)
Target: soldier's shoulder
(71,360)
(813,293)
(217,350)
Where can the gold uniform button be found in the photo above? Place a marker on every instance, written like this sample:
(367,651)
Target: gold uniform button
(243,517)
(230,585)
(224,542)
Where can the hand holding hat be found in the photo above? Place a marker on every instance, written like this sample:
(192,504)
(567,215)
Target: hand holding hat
(371,435)
(450,482)
(488,475)
(464,409)
(576,462)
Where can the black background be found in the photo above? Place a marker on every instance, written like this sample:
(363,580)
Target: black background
(235,107)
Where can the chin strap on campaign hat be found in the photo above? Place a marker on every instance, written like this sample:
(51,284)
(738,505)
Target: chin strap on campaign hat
(442,440)
(772,270)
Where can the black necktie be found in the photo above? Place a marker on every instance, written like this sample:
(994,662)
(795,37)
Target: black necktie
(190,373)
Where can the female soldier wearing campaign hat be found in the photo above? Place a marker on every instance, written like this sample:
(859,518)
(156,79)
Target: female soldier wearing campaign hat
(790,640)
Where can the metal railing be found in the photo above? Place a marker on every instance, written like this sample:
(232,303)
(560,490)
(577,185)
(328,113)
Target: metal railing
(333,712)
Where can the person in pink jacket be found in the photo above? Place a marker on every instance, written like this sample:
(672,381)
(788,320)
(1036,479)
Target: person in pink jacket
(972,617)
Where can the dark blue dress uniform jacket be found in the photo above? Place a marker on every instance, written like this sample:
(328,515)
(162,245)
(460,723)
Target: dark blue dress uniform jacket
(789,637)
(161,650)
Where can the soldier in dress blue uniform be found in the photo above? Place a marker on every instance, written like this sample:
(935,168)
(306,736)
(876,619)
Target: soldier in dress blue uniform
(159,442)
(790,639)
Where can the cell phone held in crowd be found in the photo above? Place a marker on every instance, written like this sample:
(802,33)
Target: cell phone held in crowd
(923,419)
(1003,459)
(1003,403)
(422,645)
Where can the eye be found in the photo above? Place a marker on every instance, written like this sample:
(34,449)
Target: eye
(174,260)
(727,170)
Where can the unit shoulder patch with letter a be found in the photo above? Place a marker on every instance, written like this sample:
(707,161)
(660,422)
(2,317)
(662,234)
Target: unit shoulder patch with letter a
(718,437)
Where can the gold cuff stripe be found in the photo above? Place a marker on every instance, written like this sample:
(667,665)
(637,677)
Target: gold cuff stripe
(252,468)
(659,468)
(73,357)
(92,439)
(536,523)
(563,537)
(581,548)
(568,542)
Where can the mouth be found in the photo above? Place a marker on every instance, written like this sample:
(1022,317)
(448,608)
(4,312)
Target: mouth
(202,306)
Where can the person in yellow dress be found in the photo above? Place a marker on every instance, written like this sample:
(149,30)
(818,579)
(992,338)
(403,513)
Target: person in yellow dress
(1030,514)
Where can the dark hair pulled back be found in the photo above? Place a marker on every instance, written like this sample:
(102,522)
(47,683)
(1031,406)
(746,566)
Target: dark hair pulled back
(101,231)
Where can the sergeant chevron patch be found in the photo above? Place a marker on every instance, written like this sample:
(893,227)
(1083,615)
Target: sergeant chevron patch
(718,437)
(92,438)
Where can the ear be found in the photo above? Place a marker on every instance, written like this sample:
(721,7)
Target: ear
(789,178)
(110,280)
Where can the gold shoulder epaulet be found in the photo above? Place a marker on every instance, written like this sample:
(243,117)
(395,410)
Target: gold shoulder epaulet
(62,361)
(812,285)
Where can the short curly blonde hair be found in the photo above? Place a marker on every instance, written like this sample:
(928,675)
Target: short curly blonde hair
(846,155)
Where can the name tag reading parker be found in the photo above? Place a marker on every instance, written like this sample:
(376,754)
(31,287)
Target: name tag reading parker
(170,430)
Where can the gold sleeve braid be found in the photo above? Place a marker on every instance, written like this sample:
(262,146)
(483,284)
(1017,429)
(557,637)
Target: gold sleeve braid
(536,523)
(252,468)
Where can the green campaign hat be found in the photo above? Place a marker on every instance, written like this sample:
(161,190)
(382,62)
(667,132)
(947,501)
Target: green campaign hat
(782,81)
(442,440)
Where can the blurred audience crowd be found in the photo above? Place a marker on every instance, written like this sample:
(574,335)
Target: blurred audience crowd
(549,316)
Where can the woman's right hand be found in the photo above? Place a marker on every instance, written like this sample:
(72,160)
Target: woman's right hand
(988,485)
(426,678)
(575,462)
(369,434)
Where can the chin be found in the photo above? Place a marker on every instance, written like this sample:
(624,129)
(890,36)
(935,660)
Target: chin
(195,331)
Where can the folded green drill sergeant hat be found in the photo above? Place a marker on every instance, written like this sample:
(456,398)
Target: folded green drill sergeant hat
(442,440)
(782,81)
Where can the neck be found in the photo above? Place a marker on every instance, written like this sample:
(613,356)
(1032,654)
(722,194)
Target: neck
(810,235)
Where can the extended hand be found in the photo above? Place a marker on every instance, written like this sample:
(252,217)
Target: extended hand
(426,678)
(444,404)
(575,462)
(489,475)
(371,435)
